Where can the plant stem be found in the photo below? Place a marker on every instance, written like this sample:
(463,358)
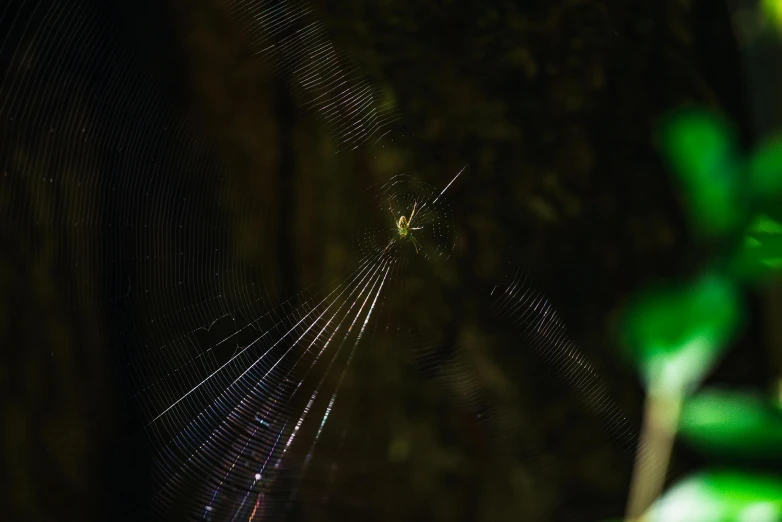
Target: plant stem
(661,417)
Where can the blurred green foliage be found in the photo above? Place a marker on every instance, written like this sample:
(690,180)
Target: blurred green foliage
(678,332)
(731,422)
(700,147)
(761,251)
(773,11)
(721,496)
(764,165)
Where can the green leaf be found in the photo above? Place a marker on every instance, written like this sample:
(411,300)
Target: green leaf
(765,169)
(761,252)
(741,424)
(700,148)
(676,334)
(773,11)
(721,496)
(762,224)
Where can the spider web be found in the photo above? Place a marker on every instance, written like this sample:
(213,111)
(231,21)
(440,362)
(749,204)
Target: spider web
(355,109)
(253,424)
(233,383)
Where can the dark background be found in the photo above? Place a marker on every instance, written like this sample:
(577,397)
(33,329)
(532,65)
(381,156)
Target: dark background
(552,105)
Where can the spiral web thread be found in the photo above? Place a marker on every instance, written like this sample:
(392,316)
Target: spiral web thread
(540,327)
(286,33)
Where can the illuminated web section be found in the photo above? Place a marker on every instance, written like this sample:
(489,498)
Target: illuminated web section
(249,447)
(541,328)
(297,44)
(239,443)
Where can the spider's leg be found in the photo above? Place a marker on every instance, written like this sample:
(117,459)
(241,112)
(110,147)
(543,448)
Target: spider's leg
(393,214)
(416,244)
(410,221)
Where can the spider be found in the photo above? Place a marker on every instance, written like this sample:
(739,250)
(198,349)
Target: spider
(404,228)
